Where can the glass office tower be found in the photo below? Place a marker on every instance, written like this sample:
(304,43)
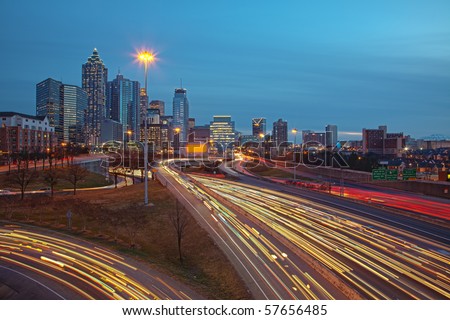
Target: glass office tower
(94,79)
(181,113)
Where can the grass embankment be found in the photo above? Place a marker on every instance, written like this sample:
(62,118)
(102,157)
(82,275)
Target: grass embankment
(265,171)
(205,268)
(90,181)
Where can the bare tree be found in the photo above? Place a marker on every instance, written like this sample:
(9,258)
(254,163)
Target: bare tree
(74,174)
(115,219)
(50,158)
(102,218)
(135,221)
(10,159)
(180,222)
(22,178)
(35,156)
(84,210)
(51,176)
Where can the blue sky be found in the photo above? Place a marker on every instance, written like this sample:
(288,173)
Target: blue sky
(351,63)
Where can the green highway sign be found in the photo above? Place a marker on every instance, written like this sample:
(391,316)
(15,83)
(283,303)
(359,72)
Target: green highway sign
(409,174)
(391,174)
(378,174)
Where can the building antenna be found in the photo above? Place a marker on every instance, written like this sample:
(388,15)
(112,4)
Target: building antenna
(181,83)
(118,72)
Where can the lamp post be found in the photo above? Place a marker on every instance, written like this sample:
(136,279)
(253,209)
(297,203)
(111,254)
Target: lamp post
(146,58)
(176,142)
(125,141)
(261,136)
(294,131)
(63,149)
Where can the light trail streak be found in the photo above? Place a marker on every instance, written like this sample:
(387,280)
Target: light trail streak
(371,256)
(259,246)
(91,273)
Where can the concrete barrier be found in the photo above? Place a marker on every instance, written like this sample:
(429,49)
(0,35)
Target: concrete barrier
(430,188)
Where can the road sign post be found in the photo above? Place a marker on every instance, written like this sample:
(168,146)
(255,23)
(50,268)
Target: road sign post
(378,174)
(391,175)
(69,219)
(409,174)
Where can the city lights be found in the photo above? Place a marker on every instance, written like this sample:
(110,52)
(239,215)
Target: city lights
(296,155)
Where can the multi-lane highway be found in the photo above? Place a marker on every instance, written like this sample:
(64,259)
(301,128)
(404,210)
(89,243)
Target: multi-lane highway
(369,250)
(417,203)
(379,261)
(438,231)
(40,264)
(269,268)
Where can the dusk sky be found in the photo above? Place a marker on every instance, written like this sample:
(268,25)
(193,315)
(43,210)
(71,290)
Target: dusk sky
(351,63)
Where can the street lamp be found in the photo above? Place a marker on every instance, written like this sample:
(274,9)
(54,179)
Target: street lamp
(294,131)
(125,141)
(145,57)
(63,147)
(261,135)
(176,141)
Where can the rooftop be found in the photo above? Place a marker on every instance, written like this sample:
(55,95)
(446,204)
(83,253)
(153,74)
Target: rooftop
(23,115)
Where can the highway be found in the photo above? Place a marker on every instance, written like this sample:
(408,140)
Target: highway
(403,200)
(377,253)
(41,264)
(379,261)
(438,231)
(269,268)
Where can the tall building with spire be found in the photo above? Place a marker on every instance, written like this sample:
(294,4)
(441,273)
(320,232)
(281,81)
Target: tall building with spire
(181,113)
(94,79)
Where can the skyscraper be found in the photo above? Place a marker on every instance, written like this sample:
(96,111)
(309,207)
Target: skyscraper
(280,132)
(158,104)
(258,126)
(153,130)
(74,104)
(48,103)
(65,107)
(143,105)
(123,99)
(331,135)
(94,78)
(181,113)
(222,132)
(166,132)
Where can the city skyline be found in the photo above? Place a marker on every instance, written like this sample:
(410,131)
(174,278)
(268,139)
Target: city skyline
(314,68)
(265,159)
